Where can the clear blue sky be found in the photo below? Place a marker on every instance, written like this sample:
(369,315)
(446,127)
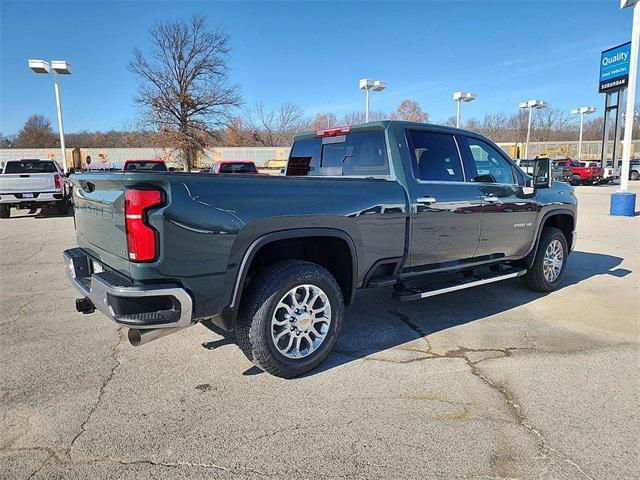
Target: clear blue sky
(314,52)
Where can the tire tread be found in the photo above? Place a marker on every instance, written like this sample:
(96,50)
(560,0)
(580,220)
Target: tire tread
(257,303)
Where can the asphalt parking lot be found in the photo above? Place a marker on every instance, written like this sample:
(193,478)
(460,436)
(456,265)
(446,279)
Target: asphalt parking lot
(493,382)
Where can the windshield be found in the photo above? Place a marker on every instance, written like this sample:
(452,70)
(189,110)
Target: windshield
(30,166)
(142,165)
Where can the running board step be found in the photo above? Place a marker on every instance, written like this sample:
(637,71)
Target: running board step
(505,273)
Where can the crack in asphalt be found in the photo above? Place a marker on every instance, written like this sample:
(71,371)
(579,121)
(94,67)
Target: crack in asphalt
(101,392)
(516,410)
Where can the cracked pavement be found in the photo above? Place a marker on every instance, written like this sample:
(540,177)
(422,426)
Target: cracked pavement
(492,382)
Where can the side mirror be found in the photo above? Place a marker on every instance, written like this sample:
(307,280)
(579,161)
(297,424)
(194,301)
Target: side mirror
(542,177)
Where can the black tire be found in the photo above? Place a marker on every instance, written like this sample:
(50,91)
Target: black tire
(253,328)
(5,211)
(62,207)
(534,279)
(575,180)
(634,175)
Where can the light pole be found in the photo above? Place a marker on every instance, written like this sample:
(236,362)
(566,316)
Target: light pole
(366,85)
(530,104)
(57,67)
(462,97)
(582,111)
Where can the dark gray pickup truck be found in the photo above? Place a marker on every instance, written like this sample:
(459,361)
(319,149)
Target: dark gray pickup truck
(421,209)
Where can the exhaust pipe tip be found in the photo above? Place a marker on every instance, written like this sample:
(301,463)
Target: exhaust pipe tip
(138,336)
(135,337)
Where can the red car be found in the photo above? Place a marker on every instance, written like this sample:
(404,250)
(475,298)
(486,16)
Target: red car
(232,166)
(583,173)
(144,166)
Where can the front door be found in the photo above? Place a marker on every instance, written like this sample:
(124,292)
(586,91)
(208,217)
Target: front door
(508,212)
(446,210)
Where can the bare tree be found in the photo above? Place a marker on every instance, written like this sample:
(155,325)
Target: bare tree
(409,111)
(184,84)
(517,127)
(6,141)
(355,118)
(239,135)
(493,125)
(36,133)
(551,124)
(276,127)
(323,120)
(593,128)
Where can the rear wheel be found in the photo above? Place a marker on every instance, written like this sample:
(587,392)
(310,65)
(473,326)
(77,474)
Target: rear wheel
(5,211)
(575,180)
(550,262)
(634,175)
(291,317)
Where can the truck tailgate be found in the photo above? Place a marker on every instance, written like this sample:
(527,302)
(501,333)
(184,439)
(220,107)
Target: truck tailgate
(99,218)
(27,183)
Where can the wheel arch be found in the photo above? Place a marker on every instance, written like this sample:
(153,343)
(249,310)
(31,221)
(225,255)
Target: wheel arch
(563,219)
(310,237)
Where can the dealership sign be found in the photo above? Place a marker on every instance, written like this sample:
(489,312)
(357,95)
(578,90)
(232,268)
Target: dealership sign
(614,68)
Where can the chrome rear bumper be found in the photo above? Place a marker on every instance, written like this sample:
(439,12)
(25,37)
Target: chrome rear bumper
(129,305)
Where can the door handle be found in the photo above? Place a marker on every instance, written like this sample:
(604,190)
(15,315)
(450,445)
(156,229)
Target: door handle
(491,199)
(426,200)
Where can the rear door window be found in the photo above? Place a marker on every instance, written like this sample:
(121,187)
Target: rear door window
(435,156)
(359,154)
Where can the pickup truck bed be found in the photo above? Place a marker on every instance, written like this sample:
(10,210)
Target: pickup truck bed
(383,204)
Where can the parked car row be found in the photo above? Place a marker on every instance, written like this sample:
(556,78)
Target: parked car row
(33,183)
(577,172)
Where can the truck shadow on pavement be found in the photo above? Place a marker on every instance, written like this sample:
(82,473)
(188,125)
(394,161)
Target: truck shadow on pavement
(376,323)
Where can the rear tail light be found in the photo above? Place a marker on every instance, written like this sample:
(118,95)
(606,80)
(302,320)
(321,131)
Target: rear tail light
(332,132)
(58,182)
(142,239)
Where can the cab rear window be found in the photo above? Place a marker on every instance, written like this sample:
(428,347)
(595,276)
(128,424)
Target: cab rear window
(358,154)
(238,167)
(154,166)
(29,166)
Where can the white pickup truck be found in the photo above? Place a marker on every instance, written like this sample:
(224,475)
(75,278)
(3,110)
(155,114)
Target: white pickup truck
(31,184)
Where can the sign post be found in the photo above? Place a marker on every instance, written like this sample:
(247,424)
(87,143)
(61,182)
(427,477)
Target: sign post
(623,202)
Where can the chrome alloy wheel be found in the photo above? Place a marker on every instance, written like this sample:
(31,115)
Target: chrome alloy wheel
(553,260)
(300,321)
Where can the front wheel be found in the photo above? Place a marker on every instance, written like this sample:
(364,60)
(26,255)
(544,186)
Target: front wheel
(5,211)
(634,175)
(550,262)
(575,180)
(291,317)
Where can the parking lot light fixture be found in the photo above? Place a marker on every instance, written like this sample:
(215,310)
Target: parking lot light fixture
(462,97)
(57,67)
(366,85)
(582,111)
(530,104)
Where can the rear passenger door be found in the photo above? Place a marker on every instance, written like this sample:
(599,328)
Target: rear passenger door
(508,213)
(445,208)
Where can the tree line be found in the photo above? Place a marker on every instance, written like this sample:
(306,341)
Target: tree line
(188,102)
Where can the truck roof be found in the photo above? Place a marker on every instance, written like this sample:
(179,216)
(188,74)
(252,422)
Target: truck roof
(386,124)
